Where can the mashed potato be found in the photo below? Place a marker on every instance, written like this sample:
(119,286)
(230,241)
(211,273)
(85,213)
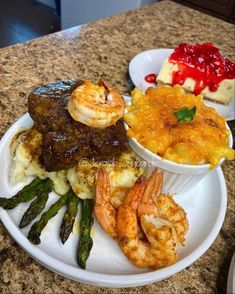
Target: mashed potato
(122,174)
(25,150)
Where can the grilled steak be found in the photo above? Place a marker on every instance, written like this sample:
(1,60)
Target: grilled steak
(66,141)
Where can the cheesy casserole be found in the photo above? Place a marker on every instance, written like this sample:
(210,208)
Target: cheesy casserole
(159,122)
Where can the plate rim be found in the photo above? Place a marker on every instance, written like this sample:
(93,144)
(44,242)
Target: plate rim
(130,70)
(143,53)
(110,280)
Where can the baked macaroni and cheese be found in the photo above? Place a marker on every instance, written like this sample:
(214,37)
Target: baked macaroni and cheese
(178,126)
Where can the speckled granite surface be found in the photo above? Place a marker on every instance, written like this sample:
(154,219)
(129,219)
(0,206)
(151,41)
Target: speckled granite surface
(104,49)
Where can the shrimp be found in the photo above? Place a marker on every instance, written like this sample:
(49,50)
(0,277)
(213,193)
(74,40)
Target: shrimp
(97,106)
(106,207)
(163,205)
(160,248)
(144,211)
(105,213)
(172,212)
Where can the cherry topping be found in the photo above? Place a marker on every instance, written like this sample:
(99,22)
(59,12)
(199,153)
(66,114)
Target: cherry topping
(151,78)
(203,63)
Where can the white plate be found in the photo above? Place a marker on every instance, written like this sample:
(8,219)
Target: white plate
(151,61)
(205,205)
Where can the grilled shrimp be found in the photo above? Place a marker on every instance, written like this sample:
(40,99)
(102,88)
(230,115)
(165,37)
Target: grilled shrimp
(163,206)
(97,106)
(104,211)
(162,221)
(160,248)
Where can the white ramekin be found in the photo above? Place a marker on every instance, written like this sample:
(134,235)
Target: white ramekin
(178,177)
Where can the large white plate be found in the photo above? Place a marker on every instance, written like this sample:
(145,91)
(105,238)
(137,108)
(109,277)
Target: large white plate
(205,205)
(151,61)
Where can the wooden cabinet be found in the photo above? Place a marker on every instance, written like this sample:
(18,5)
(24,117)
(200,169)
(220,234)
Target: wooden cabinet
(224,9)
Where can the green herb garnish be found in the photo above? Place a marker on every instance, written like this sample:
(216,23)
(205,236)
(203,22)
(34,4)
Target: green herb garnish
(185,114)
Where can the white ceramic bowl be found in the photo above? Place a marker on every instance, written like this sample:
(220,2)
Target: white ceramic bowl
(178,178)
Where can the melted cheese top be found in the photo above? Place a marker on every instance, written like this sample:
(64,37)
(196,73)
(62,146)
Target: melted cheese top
(154,125)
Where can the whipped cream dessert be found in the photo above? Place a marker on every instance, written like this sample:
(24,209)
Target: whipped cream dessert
(200,69)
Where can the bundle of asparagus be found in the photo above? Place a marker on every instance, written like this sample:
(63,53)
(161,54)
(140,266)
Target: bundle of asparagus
(40,189)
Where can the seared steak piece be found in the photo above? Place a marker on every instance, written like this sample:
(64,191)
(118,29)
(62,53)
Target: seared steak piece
(47,105)
(66,141)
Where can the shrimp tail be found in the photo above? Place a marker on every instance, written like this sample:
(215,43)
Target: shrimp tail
(104,211)
(127,223)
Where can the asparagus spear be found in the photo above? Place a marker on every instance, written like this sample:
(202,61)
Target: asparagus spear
(24,195)
(28,187)
(37,227)
(69,216)
(3,202)
(85,242)
(37,205)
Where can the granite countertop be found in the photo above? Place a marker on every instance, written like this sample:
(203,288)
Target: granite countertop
(104,49)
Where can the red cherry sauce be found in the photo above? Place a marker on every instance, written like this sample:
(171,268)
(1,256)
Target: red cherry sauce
(151,78)
(202,63)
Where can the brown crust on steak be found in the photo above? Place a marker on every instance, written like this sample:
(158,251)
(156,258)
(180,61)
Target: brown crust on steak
(66,141)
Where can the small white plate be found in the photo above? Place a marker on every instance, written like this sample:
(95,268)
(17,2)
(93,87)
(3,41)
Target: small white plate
(205,205)
(151,61)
